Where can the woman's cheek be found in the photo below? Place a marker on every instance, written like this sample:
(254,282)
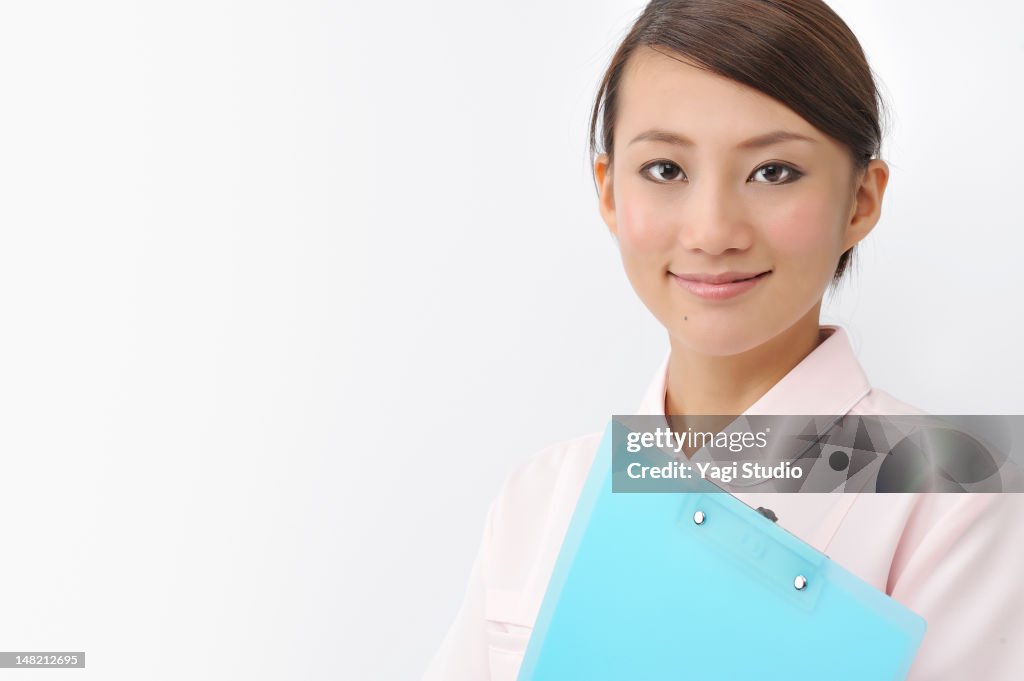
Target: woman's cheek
(644,230)
(806,231)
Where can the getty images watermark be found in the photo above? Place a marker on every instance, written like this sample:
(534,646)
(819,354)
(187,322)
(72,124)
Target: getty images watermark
(818,453)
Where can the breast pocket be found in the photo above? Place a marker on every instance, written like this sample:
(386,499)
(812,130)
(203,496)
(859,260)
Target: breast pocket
(509,622)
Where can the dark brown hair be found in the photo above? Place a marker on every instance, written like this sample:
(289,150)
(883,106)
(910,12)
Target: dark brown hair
(798,52)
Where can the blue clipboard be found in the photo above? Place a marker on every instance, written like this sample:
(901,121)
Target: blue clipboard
(642,591)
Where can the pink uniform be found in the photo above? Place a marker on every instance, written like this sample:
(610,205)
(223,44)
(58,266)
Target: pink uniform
(955,559)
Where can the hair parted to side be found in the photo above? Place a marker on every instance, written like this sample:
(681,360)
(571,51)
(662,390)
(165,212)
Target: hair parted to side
(798,52)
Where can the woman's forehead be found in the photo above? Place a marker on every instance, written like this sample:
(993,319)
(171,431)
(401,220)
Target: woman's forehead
(658,91)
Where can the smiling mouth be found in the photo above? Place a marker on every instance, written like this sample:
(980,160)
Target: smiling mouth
(723,278)
(721,286)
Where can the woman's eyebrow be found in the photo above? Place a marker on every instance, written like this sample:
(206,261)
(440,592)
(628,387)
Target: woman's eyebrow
(764,140)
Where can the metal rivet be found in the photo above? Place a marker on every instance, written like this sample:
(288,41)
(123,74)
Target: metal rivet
(698,517)
(800,582)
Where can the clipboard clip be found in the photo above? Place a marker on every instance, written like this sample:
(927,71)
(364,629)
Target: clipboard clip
(756,547)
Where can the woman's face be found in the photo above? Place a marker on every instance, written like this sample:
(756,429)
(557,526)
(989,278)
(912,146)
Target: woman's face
(731,197)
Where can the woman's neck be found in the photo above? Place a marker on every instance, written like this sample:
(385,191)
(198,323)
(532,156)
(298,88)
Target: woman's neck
(700,384)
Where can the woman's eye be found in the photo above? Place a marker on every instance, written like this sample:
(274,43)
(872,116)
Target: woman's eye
(776,173)
(771,173)
(662,171)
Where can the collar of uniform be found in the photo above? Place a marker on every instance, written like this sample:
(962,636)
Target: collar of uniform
(829,381)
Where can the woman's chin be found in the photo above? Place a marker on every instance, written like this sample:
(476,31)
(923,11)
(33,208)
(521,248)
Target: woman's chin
(717,339)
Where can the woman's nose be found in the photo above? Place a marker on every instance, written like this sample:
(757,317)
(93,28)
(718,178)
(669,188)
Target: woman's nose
(713,219)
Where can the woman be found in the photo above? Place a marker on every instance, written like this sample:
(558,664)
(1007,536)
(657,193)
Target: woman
(739,170)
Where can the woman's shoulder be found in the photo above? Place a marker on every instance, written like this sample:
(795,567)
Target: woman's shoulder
(558,468)
(533,507)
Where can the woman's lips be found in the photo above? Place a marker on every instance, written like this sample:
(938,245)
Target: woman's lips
(719,287)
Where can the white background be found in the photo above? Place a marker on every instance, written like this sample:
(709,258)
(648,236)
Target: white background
(288,288)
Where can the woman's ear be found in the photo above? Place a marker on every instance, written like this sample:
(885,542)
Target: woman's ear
(606,197)
(869,188)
